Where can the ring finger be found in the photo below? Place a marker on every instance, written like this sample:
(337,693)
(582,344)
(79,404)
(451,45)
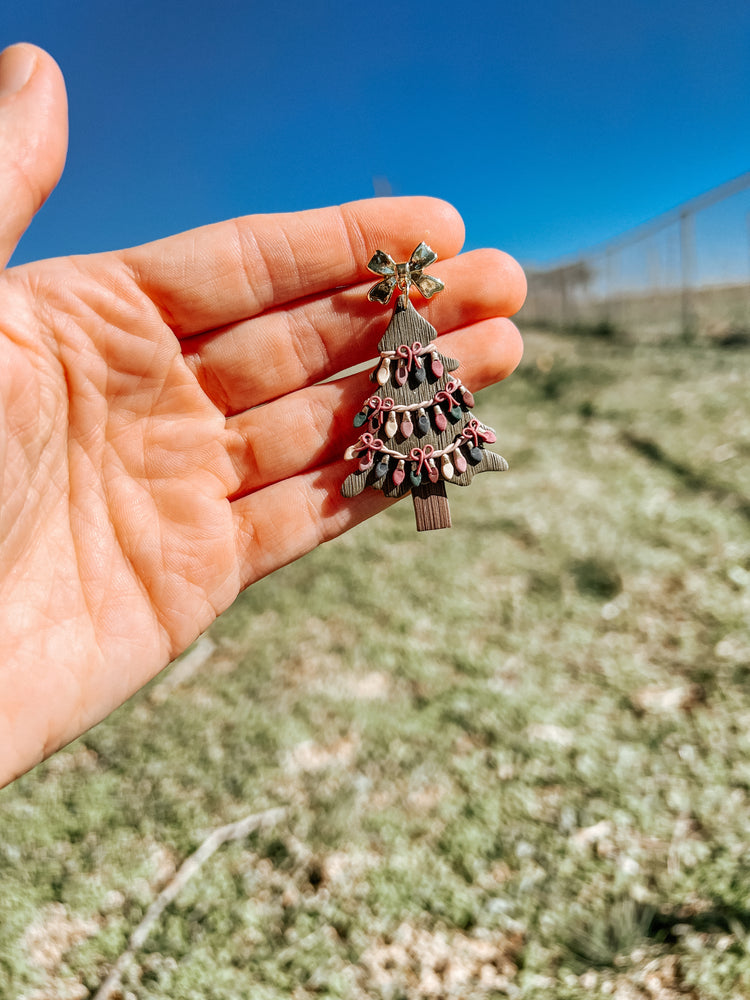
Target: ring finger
(249,363)
(311,427)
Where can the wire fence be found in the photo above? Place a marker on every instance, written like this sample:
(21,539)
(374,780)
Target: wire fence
(684,274)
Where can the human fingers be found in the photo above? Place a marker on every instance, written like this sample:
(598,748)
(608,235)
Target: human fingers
(33,138)
(312,427)
(278,523)
(289,519)
(230,271)
(251,362)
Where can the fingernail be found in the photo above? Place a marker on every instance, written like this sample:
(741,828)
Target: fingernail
(16,66)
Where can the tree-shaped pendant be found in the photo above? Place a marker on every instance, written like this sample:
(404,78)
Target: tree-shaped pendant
(418,431)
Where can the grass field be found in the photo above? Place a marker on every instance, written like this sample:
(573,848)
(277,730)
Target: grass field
(719,313)
(511,759)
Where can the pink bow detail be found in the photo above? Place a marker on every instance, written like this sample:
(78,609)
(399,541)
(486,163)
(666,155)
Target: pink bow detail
(446,395)
(407,356)
(379,407)
(477,432)
(422,455)
(370,446)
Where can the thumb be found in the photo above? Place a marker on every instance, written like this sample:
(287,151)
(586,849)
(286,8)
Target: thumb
(33,138)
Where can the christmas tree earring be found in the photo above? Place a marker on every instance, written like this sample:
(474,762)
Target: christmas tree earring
(418,429)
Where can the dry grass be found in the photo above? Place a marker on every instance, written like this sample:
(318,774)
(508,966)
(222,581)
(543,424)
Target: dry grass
(514,757)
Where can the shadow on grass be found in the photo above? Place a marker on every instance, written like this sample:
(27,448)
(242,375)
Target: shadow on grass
(722,918)
(693,480)
(605,940)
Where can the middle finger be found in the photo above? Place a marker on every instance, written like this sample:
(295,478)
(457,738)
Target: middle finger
(252,362)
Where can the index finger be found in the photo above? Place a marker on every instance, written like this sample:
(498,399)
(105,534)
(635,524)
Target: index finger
(234,270)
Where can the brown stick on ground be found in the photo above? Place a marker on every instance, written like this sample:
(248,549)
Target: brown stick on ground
(232,831)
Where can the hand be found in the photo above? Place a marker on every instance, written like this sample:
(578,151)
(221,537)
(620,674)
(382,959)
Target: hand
(142,485)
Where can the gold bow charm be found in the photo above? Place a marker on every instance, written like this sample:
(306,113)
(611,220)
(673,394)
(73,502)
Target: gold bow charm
(403,276)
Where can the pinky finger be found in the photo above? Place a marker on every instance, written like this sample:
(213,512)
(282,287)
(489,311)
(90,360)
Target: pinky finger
(288,519)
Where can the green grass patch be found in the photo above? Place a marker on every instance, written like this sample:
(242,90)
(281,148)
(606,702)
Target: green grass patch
(514,758)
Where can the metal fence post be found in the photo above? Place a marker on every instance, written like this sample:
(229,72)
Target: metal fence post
(625,283)
(687,271)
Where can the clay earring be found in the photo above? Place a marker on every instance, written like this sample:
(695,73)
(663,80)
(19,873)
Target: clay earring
(420,429)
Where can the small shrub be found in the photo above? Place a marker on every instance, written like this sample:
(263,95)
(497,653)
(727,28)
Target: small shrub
(596,577)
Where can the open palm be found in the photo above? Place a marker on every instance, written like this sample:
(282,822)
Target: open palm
(167,435)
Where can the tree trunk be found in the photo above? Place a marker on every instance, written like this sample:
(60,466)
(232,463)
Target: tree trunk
(431,506)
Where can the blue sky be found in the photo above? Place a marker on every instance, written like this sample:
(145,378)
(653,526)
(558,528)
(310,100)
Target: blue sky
(551,126)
